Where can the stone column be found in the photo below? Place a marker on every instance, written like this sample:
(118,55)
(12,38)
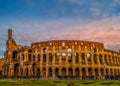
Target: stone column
(60,72)
(53,72)
(66,71)
(46,72)
(73,71)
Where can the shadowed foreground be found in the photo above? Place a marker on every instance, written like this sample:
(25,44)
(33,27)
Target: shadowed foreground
(38,82)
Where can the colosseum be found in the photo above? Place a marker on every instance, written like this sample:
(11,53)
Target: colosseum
(60,59)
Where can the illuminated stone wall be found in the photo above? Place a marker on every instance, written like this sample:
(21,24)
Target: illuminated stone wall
(61,58)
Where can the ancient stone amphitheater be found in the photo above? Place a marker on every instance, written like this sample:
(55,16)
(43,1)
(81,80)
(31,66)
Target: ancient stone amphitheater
(60,59)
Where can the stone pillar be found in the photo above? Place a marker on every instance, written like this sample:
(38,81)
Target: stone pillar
(80,60)
(99,73)
(86,62)
(60,72)
(46,72)
(73,71)
(53,59)
(53,72)
(86,71)
(80,69)
(92,59)
(73,56)
(67,71)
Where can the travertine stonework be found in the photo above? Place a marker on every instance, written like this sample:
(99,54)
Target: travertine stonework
(60,58)
(1,64)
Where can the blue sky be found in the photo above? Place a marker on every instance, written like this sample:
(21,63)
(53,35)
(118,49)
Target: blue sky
(37,20)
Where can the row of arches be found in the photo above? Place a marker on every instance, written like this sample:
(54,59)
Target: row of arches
(55,72)
(97,58)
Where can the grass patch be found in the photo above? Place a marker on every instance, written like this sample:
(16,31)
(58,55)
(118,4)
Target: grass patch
(58,82)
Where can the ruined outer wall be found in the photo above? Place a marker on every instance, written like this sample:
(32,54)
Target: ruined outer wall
(1,63)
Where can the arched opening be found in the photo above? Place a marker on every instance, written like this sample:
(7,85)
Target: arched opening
(102,71)
(38,71)
(95,58)
(21,71)
(63,72)
(29,51)
(89,57)
(26,71)
(96,72)
(118,72)
(90,72)
(70,72)
(107,72)
(77,72)
(29,57)
(14,55)
(38,57)
(44,72)
(44,57)
(83,58)
(111,71)
(16,69)
(34,69)
(56,72)
(33,57)
(76,57)
(115,72)
(105,59)
(50,72)
(69,57)
(100,58)
(50,57)
(83,72)
(44,50)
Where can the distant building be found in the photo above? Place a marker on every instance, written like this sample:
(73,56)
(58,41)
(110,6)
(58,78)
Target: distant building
(60,59)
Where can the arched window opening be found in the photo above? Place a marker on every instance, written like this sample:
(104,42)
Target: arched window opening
(83,72)
(50,57)
(29,57)
(33,57)
(95,58)
(44,50)
(63,72)
(69,57)
(44,57)
(14,55)
(38,71)
(50,72)
(16,69)
(76,57)
(83,58)
(96,71)
(34,69)
(89,57)
(38,57)
(105,59)
(100,58)
(77,72)
(56,72)
(70,72)
(102,71)
(26,71)
(29,51)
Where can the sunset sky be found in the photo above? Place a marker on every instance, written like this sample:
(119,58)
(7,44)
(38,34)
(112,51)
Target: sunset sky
(38,20)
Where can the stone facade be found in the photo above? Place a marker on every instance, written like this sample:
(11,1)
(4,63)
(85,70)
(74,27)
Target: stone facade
(60,59)
(1,64)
